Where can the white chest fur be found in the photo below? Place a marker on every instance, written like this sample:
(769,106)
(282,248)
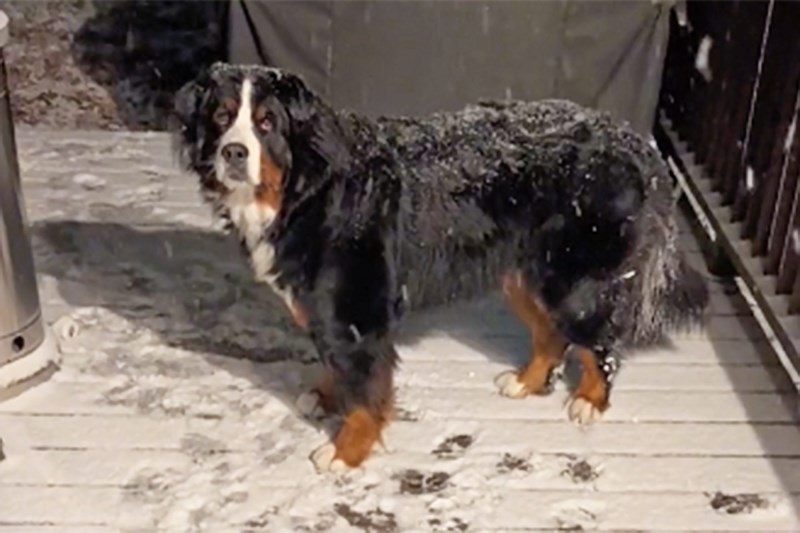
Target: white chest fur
(251,220)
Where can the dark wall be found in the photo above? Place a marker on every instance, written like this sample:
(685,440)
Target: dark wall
(116,63)
(413,57)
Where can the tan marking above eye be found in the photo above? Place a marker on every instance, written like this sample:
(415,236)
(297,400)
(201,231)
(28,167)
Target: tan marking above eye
(260,113)
(230,104)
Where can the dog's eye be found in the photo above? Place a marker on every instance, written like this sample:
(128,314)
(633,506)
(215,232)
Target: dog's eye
(222,117)
(264,125)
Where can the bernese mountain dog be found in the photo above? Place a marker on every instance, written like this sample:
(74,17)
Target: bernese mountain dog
(354,221)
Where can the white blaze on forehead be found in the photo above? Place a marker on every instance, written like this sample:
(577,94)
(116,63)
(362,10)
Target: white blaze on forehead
(242,131)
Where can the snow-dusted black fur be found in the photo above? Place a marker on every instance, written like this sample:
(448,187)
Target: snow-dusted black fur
(380,216)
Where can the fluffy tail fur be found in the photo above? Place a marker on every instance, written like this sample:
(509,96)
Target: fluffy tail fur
(674,296)
(686,297)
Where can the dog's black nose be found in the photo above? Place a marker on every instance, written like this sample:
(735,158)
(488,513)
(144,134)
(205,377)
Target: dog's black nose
(234,153)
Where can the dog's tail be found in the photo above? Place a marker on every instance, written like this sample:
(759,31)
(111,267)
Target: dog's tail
(687,297)
(674,295)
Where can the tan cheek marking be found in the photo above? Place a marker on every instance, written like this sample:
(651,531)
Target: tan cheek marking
(268,191)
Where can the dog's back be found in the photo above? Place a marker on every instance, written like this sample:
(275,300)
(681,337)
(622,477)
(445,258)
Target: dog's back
(582,205)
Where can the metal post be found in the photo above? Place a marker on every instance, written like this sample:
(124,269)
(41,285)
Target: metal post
(27,353)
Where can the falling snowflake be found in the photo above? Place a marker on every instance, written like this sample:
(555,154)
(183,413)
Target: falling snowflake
(355,332)
(787,144)
(485,20)
(682,16)
(701,60)
(796,241)
(750,179)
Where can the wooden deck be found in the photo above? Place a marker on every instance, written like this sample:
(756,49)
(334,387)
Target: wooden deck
(156,422)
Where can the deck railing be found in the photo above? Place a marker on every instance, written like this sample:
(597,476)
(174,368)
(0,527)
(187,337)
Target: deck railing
(731,93)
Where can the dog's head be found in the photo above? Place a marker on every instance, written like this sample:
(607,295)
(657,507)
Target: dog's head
(237,127)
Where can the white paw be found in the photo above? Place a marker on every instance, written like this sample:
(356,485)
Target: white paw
(309,406)
(509,385)
(324,459)
(582,412)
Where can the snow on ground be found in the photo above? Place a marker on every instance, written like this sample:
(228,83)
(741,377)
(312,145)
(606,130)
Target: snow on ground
(174,408)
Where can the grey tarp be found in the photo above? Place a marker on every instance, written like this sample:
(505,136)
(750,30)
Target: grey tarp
(401,57)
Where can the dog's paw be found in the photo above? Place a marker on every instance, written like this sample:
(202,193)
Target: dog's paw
(510,386)
(309,404)
(325,460)
(583,412)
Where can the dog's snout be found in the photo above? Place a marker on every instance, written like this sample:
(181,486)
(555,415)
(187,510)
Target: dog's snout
(235,153)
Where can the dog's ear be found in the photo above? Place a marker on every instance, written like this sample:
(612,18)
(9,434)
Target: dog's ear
(301,104)
(187,122)
(313,123)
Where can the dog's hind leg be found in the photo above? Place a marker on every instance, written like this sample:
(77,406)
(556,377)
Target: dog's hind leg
(548,343)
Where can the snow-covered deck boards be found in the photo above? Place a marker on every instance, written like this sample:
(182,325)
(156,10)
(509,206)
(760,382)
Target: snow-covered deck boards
(154,424)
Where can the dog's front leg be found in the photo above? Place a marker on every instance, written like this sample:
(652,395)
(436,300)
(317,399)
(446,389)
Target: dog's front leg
(360,367)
